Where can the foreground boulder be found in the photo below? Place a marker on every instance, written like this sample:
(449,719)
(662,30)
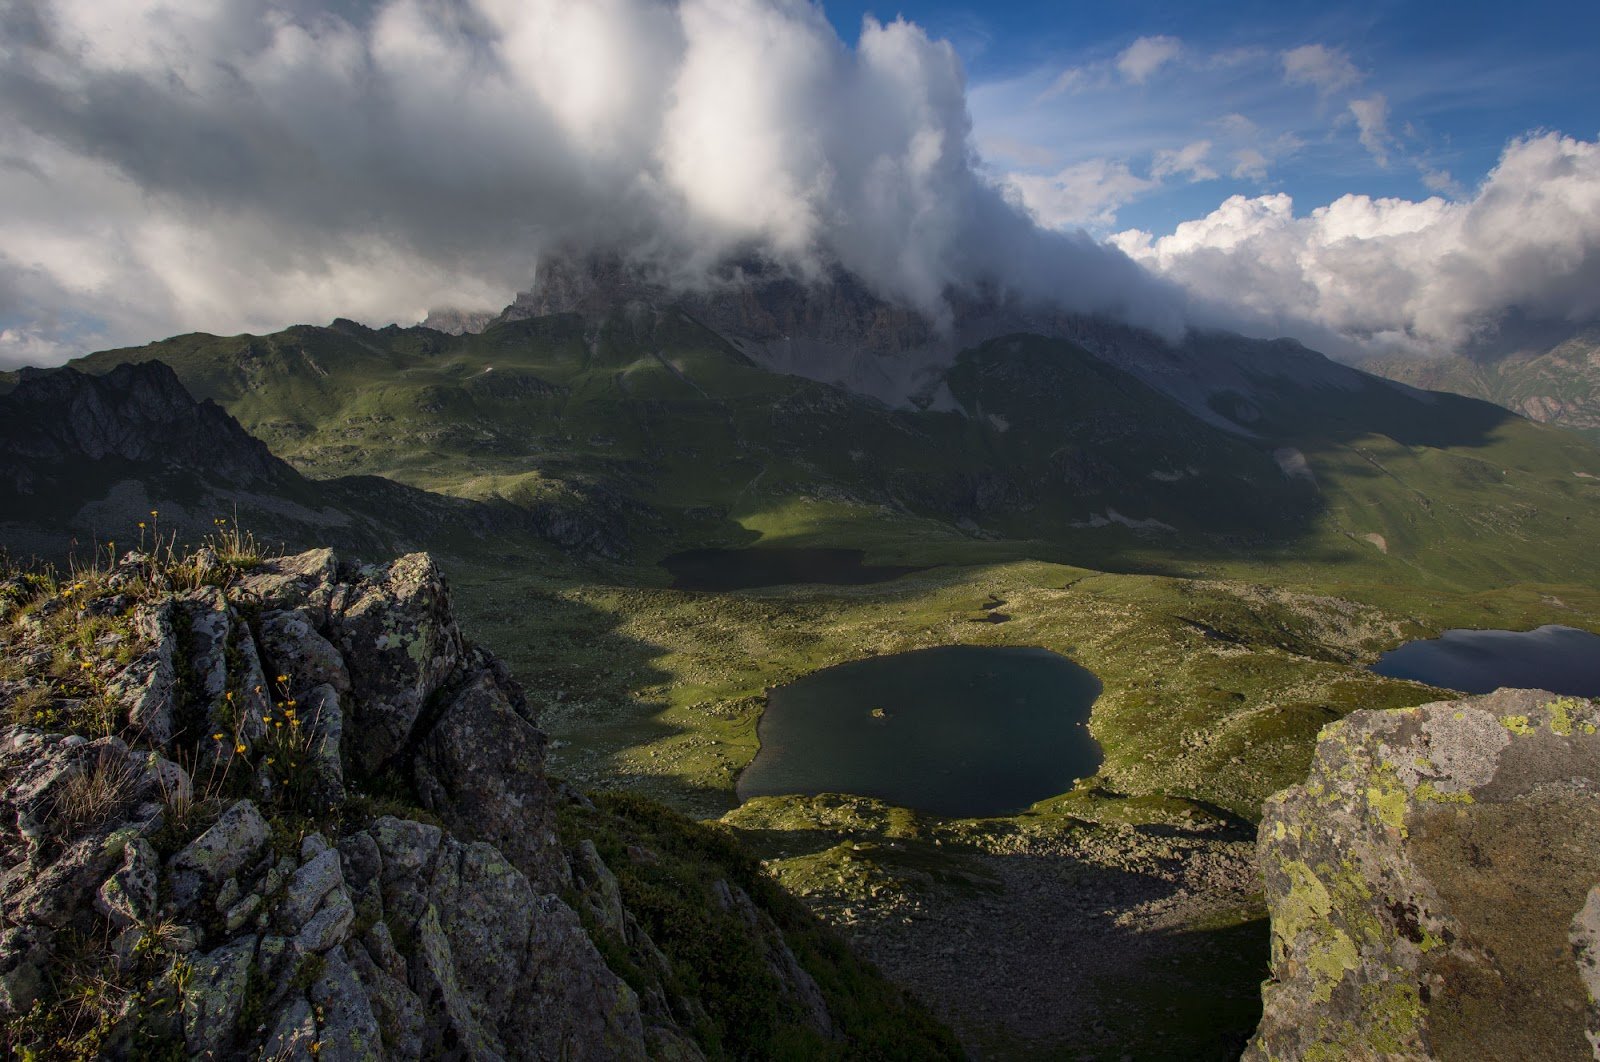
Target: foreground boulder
(315,824)
(1435,886)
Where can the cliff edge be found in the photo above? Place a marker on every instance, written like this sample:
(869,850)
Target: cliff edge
(284,808)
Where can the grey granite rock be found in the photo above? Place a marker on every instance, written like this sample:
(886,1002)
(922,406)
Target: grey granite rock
(1431,885)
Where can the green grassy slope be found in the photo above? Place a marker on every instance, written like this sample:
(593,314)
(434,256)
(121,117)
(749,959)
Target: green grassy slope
(1057,455)
(1266,568)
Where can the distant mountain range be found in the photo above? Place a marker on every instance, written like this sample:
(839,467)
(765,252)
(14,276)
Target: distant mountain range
(1559,385)
(606,416)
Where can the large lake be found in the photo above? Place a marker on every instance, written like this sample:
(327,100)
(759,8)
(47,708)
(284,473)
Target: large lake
(743,569)
(1559,659)
(960,730)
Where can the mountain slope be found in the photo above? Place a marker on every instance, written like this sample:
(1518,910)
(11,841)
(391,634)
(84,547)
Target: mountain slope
(641,416)
(131,454)
(288,810)
(1559,386)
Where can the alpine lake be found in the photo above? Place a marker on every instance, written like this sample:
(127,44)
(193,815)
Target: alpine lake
(963,731)
(1559,659)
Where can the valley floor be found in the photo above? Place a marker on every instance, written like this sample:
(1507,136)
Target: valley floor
(1122,918)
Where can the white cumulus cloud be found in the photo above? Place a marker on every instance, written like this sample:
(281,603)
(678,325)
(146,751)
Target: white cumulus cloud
(1371,274)
(1145,56)
(1323,68)
(226,165)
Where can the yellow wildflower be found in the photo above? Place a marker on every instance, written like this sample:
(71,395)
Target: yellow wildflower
(239,748)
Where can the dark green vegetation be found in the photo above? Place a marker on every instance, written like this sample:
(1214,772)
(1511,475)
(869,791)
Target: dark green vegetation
(669,869)
(1229,586)
(720,570)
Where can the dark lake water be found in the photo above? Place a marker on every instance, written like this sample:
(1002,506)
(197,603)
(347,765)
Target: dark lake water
(960,730)
(742,569)
(1559,659)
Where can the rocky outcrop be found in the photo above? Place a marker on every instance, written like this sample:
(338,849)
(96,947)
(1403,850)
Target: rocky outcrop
(139,414)
(1434,886)
(249,898)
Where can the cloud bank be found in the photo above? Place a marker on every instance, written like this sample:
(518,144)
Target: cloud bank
(228,165)
(1364,275)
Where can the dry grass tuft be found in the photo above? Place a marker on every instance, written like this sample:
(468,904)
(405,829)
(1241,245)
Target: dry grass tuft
(94,793)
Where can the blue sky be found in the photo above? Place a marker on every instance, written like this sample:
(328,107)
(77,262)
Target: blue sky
(232,165)
(1444,87)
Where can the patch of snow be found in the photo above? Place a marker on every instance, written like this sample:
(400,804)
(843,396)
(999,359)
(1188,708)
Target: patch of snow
(1114,517)
(1294,463)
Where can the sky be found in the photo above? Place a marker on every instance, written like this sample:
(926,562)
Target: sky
(1377,178)
(1404,99)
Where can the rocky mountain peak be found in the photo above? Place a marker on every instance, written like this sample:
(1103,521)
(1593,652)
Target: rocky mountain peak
(139,413)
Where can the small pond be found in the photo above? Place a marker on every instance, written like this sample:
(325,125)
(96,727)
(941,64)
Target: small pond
(1559,659)
(742,569)
(960,730)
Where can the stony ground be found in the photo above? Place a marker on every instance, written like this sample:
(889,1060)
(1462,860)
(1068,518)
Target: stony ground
(1039,936)
(1011,963)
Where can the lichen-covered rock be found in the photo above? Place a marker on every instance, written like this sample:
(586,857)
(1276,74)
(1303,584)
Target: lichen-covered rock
(1431,885)
(305,581)
(347,1030)
(307,888)
(473,914)
(300,652)
(400,643)
(481,769)
(129,896)
(70,801)
(213,997)
(257,936)
(148,685)
(220,852)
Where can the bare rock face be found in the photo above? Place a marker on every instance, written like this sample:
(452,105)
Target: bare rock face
(395,939)
(1435,886)
(134,413)
(323,830)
